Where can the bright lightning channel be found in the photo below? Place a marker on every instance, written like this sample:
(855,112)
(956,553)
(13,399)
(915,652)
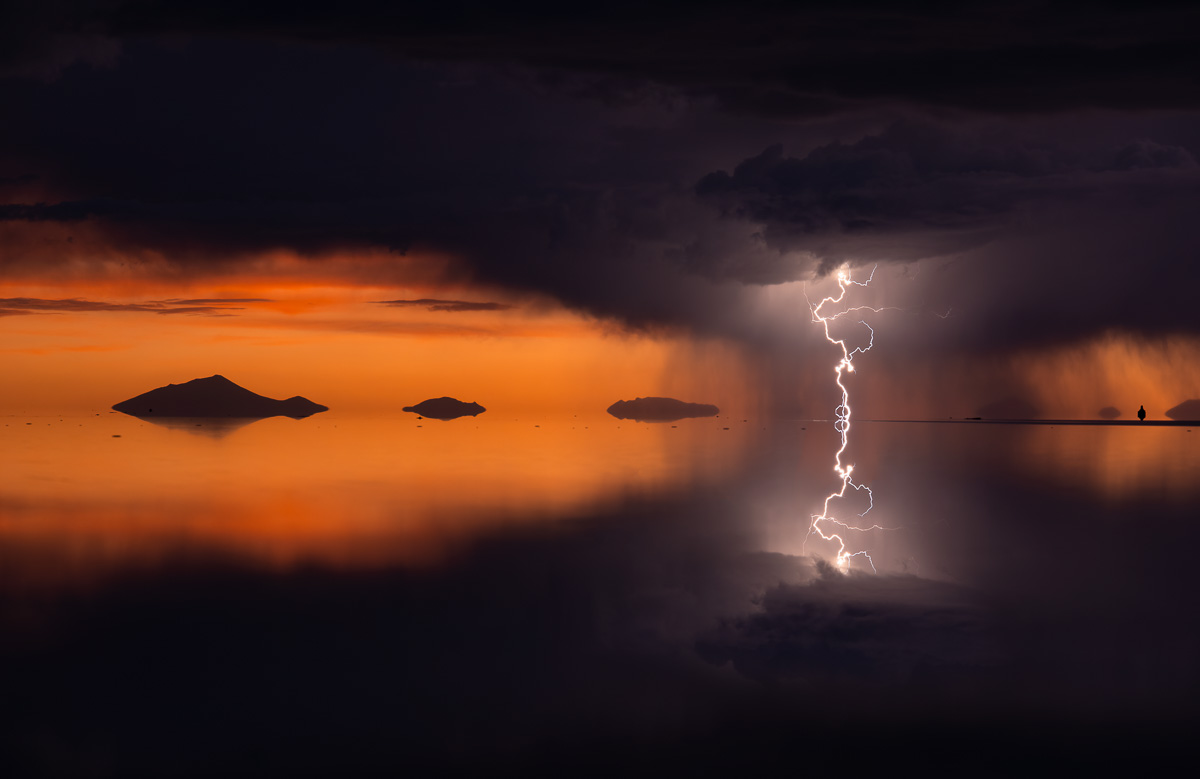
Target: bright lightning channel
(842,424)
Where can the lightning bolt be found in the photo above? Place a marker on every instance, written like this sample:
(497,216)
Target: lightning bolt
(842,425)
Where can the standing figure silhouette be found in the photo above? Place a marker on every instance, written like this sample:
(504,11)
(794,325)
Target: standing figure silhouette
(1142,413)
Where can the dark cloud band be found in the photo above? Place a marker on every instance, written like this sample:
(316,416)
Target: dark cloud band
(432,304)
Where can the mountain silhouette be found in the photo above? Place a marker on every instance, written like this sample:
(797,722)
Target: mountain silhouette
(1109,412)
(445,408)
(1187,410)
(215,396)
(660,409)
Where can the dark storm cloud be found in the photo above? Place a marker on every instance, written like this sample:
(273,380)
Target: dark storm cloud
(768,58)
(39,38)
(57,212)
(919,190)
(201,227)
(559,149)
(431,304)
(560,196)
(25,178)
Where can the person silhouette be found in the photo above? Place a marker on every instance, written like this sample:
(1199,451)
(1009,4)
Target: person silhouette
(1142,413)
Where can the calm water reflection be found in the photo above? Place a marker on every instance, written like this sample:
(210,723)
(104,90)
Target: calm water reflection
(111,490)
(341,490)
(357,595)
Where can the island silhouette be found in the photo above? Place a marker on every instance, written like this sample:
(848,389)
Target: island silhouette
(1187,410)
(215,396)
(1109,412)
(445,408)
(660,409)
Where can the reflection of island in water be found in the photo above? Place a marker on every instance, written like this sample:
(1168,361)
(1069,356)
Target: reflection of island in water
(213,397)
(372,490)
(211,427)
(445,408)
(660,409)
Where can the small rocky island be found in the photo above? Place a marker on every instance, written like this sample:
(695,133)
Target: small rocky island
(660,409)
(215,396)
(1188,410)
(445,408)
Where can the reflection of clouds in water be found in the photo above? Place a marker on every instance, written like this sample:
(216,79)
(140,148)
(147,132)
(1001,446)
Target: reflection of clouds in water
(656,631)
(889,629)
(653,627)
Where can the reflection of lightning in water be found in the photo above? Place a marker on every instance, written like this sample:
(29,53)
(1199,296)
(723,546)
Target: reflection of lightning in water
(842,424)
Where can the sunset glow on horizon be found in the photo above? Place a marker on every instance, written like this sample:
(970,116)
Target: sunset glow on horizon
(351,344)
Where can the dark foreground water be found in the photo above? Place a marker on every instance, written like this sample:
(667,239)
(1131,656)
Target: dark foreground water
(366,596)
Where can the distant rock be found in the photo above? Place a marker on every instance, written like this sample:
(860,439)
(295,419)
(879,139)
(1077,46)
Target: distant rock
(1109,412)
(1188,410)
(660,409)
(215,396)
(1009,408)
(445,408)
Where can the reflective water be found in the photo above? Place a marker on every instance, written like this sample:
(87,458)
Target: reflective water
(109,491)
(373,594)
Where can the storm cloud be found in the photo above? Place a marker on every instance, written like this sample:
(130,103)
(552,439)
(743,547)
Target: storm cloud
(769,58)
(648,166)
(917,191)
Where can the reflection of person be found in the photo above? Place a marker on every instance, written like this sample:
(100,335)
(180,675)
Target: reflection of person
(1142,413)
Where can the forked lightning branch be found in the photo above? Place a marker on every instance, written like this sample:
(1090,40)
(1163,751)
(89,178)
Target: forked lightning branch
(820,524)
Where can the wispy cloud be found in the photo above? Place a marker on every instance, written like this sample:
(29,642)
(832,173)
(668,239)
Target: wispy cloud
(433,304)
(199,307)
(215,301)
(200,310)
(71,304)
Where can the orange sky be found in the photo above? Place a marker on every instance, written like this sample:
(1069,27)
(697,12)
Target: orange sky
(316,329)
(322,334)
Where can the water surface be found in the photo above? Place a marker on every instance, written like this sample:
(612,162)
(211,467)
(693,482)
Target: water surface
(376,594)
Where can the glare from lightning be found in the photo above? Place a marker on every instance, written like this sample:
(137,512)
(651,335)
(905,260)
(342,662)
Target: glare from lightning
(842,425)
